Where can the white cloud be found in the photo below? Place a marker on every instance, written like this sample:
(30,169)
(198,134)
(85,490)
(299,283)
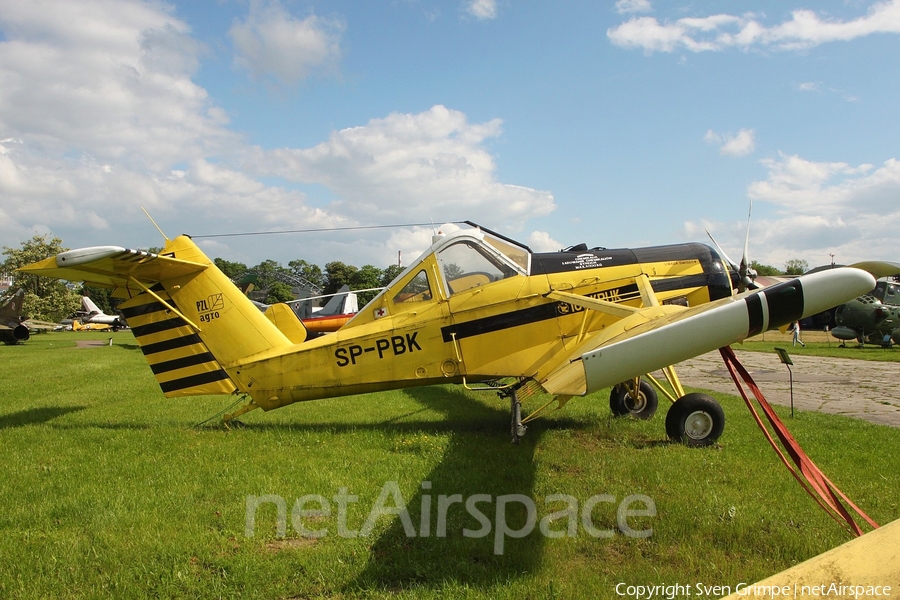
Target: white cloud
(541,241)
(272,44)
(741,144)
(482,9)
(820,208)
(633,6)
(804,29)
(412,166)
(100,116)
(112,79)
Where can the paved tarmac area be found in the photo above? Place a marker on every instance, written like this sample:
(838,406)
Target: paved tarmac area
(842,386)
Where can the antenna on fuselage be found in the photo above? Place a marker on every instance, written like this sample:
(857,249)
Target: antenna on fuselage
(165,237)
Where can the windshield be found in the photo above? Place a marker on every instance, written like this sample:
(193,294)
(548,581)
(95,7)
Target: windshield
(466,264)
(517,254)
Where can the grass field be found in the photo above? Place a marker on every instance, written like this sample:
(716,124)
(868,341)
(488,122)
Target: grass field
(110,490)
(820,343)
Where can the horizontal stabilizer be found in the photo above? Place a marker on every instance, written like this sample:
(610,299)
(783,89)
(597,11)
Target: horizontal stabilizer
(112,266)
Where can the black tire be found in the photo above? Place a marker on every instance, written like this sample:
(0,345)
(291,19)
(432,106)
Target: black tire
(643,407)
(696,420)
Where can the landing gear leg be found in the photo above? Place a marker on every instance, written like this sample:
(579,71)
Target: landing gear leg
(230,418)
(516,429)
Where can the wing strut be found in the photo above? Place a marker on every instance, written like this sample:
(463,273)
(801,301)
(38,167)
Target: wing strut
(807,473)
(163,302)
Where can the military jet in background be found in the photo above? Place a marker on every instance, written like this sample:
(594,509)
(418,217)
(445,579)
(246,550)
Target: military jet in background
(340,308)
(14,328)
(90,314)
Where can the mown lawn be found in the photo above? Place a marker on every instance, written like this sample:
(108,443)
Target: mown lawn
(820,343)
(111,490)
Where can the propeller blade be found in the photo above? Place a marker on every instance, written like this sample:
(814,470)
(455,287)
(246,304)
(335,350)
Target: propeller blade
(746,273)
(721,252)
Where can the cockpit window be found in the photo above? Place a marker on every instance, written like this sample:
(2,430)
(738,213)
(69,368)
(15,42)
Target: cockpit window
(517,254)
(417,290)
(892,294)
(466,265)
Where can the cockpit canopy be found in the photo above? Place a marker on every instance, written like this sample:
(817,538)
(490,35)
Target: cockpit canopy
(888,292)
(464,259)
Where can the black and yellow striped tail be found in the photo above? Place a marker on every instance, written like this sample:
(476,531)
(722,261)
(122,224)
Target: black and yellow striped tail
(181,362)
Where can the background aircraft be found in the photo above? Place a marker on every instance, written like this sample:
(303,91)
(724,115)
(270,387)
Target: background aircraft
(91,314)
(872,317)
(340,308)
(13,327)
(475,309)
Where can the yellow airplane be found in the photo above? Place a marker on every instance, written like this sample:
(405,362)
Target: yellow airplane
(79,326)
(476,309)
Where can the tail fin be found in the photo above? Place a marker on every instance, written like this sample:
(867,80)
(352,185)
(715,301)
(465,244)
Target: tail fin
(12,308)
(191,321)
(89,307)
(342,303)
(190,326)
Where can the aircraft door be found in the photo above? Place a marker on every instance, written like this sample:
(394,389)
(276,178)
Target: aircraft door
(419,305)
(490,330)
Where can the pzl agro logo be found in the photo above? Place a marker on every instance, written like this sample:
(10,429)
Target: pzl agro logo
(209,308)
(586,261)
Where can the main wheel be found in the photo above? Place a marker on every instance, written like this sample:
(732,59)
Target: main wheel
(696,420)
(622,403)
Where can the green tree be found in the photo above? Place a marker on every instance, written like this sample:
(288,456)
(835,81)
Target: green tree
(233,270)
(389,273)
(337,275)
(268,272)
(279,292)
(366,278)
(796,266)
(45,299)
(765,270)
(308,271)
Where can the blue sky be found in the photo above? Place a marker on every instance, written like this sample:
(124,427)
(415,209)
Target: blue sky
(624,123)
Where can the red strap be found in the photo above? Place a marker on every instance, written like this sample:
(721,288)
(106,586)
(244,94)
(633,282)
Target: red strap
(810,477)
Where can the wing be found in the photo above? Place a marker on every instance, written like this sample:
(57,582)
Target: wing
(879,268)
(112,266)
(35,324)
(659,336)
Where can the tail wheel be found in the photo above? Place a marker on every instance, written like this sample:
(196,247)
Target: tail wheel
(640,406)
(696,420)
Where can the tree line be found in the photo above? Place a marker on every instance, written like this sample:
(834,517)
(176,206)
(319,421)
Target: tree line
(53,300)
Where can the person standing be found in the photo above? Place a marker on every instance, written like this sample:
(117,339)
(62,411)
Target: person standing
(795,330)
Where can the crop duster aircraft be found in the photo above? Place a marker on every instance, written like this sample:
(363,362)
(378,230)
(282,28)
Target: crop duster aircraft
(476,309)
